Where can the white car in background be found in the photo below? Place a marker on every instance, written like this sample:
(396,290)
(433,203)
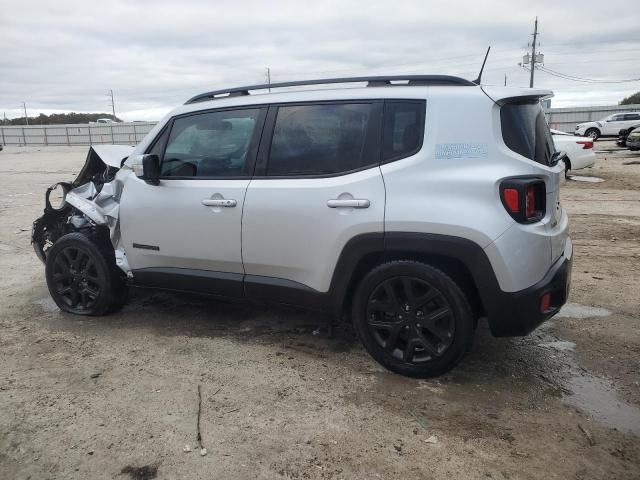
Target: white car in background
(579,150)
(607,127)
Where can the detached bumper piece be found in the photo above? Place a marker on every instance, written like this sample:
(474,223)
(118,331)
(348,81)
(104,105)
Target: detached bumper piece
(519,313)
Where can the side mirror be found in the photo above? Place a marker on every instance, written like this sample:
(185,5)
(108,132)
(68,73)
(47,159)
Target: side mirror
(147,168)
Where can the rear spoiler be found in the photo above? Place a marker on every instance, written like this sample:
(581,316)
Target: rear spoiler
(502,95)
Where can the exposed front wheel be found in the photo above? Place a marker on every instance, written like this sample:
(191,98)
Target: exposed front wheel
(80,277)
(594,133)
(413,319)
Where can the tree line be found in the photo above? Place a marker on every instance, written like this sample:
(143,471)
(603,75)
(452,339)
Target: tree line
(59,118)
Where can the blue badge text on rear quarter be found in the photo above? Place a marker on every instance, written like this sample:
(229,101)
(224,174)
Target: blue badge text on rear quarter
(461,150)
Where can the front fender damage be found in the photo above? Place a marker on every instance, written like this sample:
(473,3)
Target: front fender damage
(92,203)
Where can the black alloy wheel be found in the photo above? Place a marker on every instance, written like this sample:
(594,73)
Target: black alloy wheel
(82,276)
(412,318)
(76,279)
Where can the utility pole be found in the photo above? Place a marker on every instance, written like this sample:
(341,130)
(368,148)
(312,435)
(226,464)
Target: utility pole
(113,105)
(269,78)
(533,53)
(26,119)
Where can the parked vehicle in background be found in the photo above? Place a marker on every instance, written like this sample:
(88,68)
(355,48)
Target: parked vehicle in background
(633,140)
(607,127)
(367,202)
(579,150)
(104,121)
(624,133)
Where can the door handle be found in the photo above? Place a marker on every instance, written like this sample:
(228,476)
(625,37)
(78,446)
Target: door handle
(219,202)
(351,202)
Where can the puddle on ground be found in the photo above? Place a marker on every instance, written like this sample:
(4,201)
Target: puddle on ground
(574,310)
(596,397)
(580,178)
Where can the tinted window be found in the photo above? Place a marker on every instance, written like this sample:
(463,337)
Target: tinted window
(403,129)
(525,131)
(210,144)
(616,118)
(632,116)
(321,139)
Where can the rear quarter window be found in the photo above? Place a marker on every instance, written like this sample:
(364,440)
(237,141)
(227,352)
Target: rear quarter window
(525,131)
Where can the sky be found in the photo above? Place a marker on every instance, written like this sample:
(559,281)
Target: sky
(65,55)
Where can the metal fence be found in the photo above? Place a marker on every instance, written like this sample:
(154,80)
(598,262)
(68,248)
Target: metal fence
(566,119)
(75,134)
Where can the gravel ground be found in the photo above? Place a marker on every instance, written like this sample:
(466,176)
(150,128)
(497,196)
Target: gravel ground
(117,397)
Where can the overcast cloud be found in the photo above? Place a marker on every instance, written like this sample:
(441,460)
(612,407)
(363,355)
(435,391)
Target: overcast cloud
(61,56)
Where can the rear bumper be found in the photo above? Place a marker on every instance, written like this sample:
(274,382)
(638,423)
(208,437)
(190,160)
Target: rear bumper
(518,313)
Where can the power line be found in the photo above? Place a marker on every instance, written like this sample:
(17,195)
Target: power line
(582,79)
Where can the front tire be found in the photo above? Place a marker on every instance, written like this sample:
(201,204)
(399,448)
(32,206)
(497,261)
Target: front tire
(413,319)
(81,276)
(594,133)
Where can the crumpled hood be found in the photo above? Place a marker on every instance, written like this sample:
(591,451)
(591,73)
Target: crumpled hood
(112,155)
(103,161)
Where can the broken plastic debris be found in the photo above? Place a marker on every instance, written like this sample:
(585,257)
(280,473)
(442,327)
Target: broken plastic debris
(203,451)
(431,439)
(186,449)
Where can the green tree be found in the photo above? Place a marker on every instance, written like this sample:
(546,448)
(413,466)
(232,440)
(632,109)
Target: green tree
(631,99)
(61,118)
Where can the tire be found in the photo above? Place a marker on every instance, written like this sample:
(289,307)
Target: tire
(567,167)
(425,332)
(594,133)
(82,276)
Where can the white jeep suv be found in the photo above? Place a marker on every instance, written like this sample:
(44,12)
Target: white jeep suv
(607,127)
(369,201)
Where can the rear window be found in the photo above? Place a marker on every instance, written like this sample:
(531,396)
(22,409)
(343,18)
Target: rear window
(321,139)
(525,131)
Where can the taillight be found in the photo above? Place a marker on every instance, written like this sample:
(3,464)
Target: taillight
(586,144)
(511,199)
(530,203)
(524,199)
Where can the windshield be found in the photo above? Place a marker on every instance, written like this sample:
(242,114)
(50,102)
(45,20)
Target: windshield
(525,131)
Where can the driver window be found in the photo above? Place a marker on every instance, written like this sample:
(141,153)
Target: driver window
(213,144)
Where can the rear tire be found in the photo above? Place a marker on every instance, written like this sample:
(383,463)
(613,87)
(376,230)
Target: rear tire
(594,133)
(82,276)
(412,318)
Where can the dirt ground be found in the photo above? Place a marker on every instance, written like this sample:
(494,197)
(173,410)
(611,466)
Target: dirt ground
(117,397)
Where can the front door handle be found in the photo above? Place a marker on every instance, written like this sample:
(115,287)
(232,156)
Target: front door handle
(219,202)
(351,203)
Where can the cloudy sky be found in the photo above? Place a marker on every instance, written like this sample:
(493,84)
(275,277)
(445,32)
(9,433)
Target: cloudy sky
(61,56)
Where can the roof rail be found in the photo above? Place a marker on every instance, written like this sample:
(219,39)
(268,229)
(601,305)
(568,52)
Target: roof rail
(415,80)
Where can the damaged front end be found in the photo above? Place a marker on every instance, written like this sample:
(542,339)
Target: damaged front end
(89,204)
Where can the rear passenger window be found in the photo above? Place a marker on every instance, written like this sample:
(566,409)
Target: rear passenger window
(403,129)
(322,139)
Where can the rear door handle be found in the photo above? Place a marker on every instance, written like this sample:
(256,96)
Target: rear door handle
(352,203)
(219,202)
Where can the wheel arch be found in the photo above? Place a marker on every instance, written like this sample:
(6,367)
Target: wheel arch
(461,259)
